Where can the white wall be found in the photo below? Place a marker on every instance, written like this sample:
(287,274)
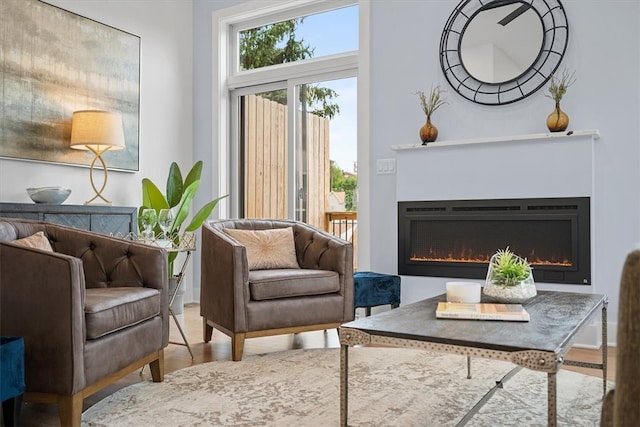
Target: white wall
(166,131)
(604,97)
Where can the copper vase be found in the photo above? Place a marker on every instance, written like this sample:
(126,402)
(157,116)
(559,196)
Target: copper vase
(557,120)
(428,132)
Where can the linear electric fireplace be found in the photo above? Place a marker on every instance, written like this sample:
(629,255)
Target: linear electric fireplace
(456,238)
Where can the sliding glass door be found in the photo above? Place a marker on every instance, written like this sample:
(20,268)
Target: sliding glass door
(291,141)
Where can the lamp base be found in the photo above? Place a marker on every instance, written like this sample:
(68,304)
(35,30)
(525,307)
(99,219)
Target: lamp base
(89,202)
(106,176)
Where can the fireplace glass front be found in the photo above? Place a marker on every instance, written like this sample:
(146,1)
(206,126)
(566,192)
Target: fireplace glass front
(456,238)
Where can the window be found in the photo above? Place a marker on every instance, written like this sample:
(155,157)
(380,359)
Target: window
(313,32)
(291,87)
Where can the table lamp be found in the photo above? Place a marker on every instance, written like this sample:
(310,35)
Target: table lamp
(97,131)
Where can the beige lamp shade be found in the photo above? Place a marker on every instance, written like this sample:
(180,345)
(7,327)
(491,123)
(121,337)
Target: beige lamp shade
(97,130)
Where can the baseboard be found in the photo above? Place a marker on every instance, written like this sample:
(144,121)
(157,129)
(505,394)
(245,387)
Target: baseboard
(591,336)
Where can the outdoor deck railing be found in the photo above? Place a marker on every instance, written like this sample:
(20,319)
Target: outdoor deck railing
(345,226)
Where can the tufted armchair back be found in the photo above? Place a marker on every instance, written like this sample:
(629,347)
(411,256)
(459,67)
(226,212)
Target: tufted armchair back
(107,261)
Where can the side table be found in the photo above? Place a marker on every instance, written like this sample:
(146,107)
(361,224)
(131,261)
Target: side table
(12,373)
(186,245)
(187,249)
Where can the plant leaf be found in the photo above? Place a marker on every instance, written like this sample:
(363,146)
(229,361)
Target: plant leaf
(152,197)
(202,215)
(174,185)
(194,174)
(184,206)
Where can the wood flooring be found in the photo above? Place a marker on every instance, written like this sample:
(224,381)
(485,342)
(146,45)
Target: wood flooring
(178,357)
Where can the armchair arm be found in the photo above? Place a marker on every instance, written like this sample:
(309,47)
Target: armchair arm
(224,288)
(42,300)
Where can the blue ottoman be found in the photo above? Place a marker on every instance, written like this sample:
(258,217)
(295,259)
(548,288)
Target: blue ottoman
(373,289)
(12,374)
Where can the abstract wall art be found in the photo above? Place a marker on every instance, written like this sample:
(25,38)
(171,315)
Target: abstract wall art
(55,62)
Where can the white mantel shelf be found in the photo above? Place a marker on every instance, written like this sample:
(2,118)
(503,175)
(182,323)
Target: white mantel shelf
(594,133)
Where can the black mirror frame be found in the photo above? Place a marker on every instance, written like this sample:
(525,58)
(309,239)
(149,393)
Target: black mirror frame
(554,45)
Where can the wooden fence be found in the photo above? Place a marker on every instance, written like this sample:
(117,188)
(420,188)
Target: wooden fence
(266,161)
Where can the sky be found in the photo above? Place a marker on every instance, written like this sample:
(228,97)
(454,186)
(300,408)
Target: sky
(330,33)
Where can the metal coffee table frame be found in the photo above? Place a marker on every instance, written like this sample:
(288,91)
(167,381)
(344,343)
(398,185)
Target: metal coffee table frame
(540,345)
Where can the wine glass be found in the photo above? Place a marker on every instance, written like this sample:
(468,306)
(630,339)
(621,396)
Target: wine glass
(165,220)
(148,220)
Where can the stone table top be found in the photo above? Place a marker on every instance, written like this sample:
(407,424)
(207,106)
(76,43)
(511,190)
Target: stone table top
(556,317)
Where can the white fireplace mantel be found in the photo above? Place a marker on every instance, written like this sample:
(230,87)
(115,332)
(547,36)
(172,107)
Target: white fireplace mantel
(594,133)
(521,166)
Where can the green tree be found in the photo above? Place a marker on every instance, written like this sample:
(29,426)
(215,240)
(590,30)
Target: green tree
(276,44)
(350,184)
(340,182)
(336,177)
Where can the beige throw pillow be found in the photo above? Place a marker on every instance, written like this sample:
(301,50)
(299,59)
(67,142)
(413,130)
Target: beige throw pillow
(267,249)
(37,241)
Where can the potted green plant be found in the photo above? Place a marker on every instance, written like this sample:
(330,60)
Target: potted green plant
(428,132)
(509,278)
(178,198)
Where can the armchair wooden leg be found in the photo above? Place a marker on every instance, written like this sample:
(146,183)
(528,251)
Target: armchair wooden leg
(237,347)
(70,410)
(207,330)
(157,368)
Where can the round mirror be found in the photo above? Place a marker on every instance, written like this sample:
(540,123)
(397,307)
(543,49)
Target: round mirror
(501,43)
(501,51)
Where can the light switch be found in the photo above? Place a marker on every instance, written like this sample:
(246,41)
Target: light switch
(386,166)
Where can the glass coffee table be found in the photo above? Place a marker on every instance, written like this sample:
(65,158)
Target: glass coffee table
(540,344)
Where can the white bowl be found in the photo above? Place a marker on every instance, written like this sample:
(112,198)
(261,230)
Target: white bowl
(54,195)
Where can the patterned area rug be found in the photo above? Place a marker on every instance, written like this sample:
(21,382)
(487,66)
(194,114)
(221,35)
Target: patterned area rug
(387,387)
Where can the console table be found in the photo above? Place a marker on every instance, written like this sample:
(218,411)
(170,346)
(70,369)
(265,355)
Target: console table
(101,219)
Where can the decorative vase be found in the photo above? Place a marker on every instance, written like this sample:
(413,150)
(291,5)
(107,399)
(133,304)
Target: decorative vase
(557,120)
(508,293)
(428,132)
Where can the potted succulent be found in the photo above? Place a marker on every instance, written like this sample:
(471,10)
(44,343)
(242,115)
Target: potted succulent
(178,199)
(509,278)
(428,132)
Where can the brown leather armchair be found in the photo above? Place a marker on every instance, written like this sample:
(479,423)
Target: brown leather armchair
(244,303)
(90,312)
(621,407)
